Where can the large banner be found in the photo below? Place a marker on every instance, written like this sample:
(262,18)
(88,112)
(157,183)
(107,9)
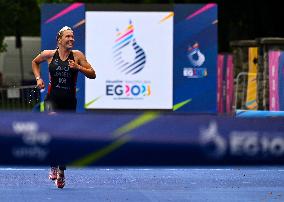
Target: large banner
(195,57)
(145,57)
(151,138)
(281,81)
(276,83)
(132,53)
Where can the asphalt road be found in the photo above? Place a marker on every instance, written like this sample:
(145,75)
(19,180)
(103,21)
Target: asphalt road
(31,184)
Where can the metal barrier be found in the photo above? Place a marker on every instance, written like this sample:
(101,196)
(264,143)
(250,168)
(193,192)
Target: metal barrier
(19,98)
(241,83)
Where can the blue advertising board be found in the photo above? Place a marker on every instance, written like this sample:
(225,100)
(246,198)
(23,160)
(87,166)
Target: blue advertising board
(195,57)
(149,138)
(281,81)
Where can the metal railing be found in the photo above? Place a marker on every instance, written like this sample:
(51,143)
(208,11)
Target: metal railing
(240,91)
(19,98)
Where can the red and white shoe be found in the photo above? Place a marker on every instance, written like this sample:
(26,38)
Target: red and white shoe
(60,180)
(52,173)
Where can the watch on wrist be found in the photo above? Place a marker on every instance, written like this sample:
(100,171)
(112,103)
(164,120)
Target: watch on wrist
(37,78)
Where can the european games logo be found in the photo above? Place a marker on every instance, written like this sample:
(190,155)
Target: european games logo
(128,56)
(197,59)
(129,90)
(213,144)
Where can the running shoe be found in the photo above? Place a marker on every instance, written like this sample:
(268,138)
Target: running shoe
(60,180)
(52,173)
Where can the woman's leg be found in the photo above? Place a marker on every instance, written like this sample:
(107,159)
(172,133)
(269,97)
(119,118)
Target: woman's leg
(60,180)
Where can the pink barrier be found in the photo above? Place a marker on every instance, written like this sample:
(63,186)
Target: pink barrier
(273,62)
(229,84)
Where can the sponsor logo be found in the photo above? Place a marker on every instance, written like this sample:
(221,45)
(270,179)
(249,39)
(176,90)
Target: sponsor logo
(194,72)
(128,89)
(195,56)
(213,143)
(34,142)
(196,59)
(240,143)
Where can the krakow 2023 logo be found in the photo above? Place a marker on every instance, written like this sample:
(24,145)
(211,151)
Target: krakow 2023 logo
(129,59)
(196,59)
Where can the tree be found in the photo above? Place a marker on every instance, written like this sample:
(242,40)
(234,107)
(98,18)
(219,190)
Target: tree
(5,23)
(21,17)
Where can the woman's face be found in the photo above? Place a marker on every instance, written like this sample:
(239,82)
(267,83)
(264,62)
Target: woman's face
(67,39)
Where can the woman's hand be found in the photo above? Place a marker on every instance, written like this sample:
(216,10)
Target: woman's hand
(40,83)
(73,64)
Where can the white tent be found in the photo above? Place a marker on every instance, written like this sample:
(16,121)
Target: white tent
(10,65)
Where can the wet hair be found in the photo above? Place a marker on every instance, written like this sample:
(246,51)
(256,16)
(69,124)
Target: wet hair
(60,32)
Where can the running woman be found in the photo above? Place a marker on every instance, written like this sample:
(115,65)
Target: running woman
(64,65)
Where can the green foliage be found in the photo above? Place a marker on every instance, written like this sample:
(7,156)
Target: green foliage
(5,21)
(23,16)
(55,1)
(18,16)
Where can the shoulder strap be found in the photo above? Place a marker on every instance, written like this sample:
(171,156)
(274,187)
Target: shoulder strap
(71,56)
